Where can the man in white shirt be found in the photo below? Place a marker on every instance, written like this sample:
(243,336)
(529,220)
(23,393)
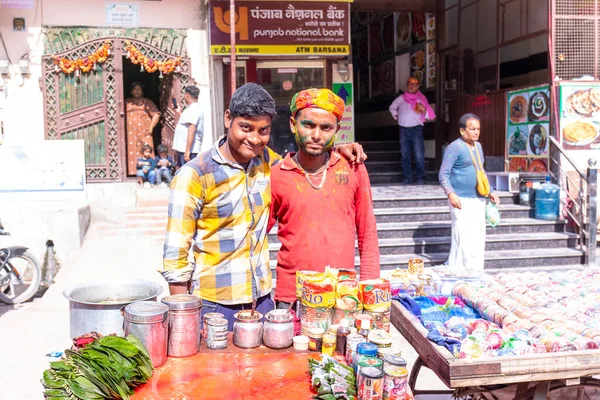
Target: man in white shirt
(411,109)
(189,129)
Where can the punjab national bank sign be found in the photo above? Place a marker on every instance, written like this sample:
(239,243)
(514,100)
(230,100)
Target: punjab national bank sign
(281,28)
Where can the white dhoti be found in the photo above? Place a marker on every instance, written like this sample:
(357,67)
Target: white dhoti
(468,235)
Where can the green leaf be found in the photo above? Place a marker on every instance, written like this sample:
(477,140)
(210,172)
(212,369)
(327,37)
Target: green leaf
(89,386)
(139,345)
(60,365)
(51,382)
(77,390)
(119,344)
(56,393)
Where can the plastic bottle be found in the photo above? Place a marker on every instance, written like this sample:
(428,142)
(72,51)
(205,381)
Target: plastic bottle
(342,333)
(547,201)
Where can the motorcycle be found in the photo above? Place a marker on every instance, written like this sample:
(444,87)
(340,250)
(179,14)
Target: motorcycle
(20,273)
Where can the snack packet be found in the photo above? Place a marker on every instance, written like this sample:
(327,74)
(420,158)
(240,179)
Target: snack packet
(301,276)
(346,296)
(346,275)
(319,293)
(375,294)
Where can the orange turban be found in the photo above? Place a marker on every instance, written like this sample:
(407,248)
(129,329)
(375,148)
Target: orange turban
(319,98)
(414,80)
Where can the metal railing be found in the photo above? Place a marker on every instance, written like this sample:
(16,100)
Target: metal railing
(584,209)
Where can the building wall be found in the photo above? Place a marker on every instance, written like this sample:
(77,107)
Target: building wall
(23,112)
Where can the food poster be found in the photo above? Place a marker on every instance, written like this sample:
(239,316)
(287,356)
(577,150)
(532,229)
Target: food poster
(580,116)
(430,73)
(419,27)
(430,27)
(403,30)
(528,127)
(417,65)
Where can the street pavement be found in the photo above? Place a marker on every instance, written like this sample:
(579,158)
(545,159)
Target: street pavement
(30,331)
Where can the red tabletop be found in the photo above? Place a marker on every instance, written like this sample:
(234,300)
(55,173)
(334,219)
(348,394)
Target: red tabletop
(232,373)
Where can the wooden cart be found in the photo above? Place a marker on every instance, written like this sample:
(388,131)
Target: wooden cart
(535,375)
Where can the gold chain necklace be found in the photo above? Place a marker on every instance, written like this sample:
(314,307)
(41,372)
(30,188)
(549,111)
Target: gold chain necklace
(307,175)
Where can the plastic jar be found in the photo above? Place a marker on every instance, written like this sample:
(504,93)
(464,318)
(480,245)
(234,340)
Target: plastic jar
(395,382)
(315,339)
(384,351)
(328,344)
(364,349)
(381,338)
(300,343)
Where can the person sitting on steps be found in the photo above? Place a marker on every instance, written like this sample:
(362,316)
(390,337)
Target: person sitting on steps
(164,166)
(146,167)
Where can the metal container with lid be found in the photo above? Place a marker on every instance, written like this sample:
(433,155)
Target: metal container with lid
(247,329)
(184,324)
(148,321)
(205,319)
(278,331)
(217,335)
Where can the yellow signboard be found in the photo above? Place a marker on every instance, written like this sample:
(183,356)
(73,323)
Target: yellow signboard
(324,50)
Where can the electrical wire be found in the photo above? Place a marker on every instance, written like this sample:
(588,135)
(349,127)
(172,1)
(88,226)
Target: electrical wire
(5,49)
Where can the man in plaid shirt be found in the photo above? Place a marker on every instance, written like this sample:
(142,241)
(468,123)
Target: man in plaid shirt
(219,206)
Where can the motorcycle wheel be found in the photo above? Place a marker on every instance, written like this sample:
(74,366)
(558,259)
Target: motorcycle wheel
(15,292)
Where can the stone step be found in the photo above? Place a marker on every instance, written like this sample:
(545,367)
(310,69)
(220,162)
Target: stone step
(385,178)
(383,166)
(398,230)
(497,242)
(417,214)
(152,197)
(495,259)
(387,230)
(384,155)
(419,201)
(370,146)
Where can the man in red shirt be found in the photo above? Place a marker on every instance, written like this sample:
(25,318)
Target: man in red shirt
(319,200)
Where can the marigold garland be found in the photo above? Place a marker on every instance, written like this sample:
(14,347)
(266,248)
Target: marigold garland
(85,64)
(150,65)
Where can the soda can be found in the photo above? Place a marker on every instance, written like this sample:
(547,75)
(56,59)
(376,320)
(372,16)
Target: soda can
(370,384)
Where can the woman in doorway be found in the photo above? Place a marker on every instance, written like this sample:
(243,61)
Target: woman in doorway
(458,177)
(142,117)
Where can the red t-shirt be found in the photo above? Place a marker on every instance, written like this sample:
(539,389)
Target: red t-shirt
(318,228)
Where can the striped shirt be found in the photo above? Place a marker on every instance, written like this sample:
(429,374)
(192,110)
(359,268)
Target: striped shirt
(221,211)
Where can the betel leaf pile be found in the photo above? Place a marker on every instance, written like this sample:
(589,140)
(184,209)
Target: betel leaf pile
(108,368)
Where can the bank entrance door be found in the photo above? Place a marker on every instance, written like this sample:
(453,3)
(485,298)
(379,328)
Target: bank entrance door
(283,79)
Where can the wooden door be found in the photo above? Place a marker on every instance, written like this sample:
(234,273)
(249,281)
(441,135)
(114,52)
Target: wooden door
(169,89)
(84,106)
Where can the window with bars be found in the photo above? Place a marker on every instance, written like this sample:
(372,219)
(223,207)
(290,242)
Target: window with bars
(576,33)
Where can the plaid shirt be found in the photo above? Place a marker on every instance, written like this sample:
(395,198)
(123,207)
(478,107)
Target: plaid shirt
(223,211)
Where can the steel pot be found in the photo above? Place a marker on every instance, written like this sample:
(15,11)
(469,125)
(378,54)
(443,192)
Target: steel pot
(96,306)
(278,330)
(247,329)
